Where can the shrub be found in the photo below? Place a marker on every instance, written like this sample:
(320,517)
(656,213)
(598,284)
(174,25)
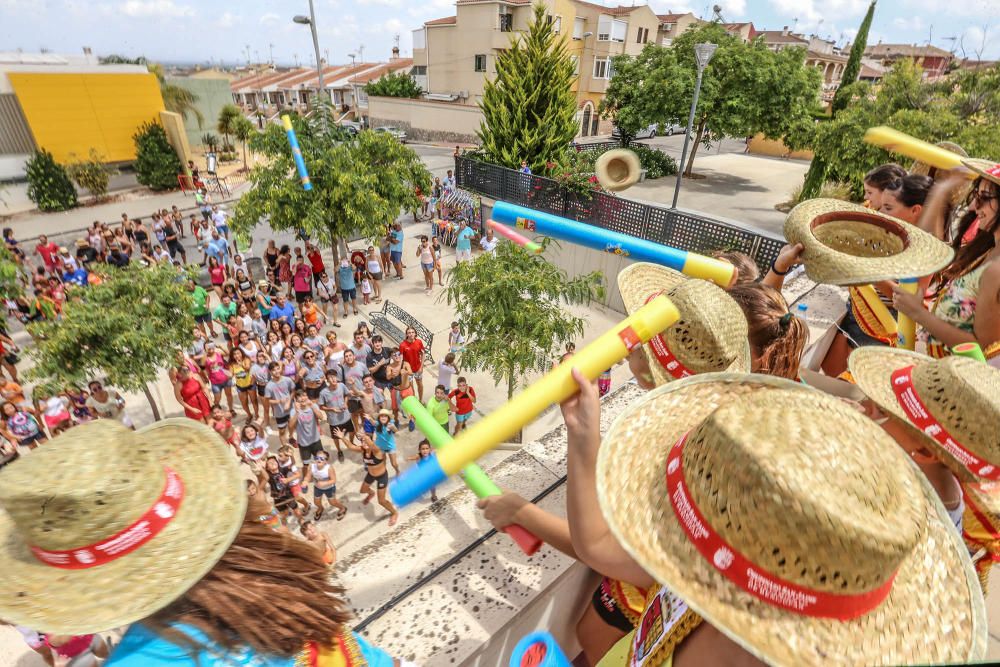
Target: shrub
(397,84)
(90,174)
(829,190)
(48,184)
(210,141)
(156,163)
(656,163)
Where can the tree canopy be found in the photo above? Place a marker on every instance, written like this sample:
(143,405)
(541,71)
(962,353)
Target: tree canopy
(359,185)
(127,329)
(529,109)
(512,306)
(746,88)
(395,84)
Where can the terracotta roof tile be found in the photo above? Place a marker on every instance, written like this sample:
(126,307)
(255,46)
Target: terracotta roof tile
(447,20)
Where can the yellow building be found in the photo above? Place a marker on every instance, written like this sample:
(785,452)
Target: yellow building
(71,105)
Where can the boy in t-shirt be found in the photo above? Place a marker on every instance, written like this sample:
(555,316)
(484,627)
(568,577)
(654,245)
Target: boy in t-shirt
(464,401)
(439,406)
(372,399)
(279,392)
(456,341)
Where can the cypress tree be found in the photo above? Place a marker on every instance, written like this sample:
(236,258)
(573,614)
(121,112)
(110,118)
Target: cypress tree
(529,111)
(156,163)
(818,169)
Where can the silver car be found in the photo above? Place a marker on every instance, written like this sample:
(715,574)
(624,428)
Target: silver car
(395,132)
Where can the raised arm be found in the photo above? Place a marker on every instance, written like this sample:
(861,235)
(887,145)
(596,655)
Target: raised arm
(510,508)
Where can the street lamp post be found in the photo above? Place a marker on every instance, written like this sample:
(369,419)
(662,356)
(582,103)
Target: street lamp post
(311,22)
(703,54)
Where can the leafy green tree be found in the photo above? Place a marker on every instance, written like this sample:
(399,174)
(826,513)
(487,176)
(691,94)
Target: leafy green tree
(819,167)
(529,110)
(210,141)
(513,307)
(746,89)
(127,329)
(11,286)
(48,183)
(396,84)
(243,129)
(156,162)
(358,186)
(91,174)
(228,116)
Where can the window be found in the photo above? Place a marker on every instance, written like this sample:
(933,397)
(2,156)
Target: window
(604,28)
(578,26)
(667,27)
(419,70)
(602,68)
(506,21)
(576,64)
(667,41)
(481,62)
(557,26)
(642,35)
(619,29)
(419,39)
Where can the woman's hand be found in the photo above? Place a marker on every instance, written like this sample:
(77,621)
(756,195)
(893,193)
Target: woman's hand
(788,257)
(502,510)
(582,410)
(911,305)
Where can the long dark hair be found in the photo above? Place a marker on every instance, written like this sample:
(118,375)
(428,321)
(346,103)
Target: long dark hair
(269,591)
(881,176)
(911,190)
(970,255)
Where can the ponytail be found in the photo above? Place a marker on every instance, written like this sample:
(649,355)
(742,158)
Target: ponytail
(777,337)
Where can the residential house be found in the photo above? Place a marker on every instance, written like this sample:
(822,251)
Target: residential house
(820,53)
(453,56)
(672,25)
(354,85)
(260,89)
(931,59)
(744,31)
(872,71)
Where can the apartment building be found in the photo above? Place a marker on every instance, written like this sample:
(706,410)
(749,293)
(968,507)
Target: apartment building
(672,25)
(822,54)
(933,60)
(453,56)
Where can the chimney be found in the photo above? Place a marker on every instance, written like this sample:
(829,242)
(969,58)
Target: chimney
(395,53)
(784,31)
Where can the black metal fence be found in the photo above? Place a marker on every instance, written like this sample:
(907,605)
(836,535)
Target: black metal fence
(600,146)
(682,229)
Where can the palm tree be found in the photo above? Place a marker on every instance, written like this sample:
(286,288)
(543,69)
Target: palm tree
(227,121)
(176,99)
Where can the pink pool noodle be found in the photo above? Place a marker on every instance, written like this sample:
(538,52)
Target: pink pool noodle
(514,237)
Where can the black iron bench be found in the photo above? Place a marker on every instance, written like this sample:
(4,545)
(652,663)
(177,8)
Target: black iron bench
(390,328)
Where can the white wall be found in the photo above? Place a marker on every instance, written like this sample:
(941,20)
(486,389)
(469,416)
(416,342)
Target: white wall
(426,120)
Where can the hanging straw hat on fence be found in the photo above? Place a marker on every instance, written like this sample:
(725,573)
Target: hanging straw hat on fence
(848,244)
(953,402)
(89,545)
(986,168)
(791,523)
(923,169)
(711,334)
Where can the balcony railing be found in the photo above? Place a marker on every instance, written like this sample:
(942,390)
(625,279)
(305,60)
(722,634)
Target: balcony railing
(677,228)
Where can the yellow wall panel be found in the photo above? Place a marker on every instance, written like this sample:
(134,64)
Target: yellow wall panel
(72,113)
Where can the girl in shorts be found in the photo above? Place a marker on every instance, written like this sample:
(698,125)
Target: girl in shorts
(375,273)
(321,540)
(20,426)
(291,474)
(385,436)
(324,483)
(218,374)
(55,411)
(239,368)
(326,288)
(253,446)
(260,374)
(376,473)
(281,491)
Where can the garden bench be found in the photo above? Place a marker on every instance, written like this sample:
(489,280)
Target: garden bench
(395,328)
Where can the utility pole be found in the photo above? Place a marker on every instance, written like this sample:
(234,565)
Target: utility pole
(311,22)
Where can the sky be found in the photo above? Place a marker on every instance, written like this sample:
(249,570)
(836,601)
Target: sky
(210,31)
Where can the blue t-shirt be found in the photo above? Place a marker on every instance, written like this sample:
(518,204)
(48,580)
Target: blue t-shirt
(218,249)
(464,236)
(346,274)
(141,647)
(78,277)
(385,440)
(284,313)
(397,241)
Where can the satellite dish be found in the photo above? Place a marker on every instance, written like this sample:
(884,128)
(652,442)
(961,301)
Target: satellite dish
(717,9)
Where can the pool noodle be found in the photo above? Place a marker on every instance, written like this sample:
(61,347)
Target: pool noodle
(906,329)
(970,350)
(691,264)
(300,164)
(477,480)
(922,151)
(539,649)
(514,237)
(554,387)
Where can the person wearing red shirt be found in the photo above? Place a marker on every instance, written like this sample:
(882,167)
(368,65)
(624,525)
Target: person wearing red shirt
(412,349)
(316,260)
(49,252)
(464,401)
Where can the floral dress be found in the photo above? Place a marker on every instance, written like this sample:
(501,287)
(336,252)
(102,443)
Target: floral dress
(956,305)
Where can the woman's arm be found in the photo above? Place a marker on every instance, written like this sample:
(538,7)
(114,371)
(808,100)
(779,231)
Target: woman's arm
(787,259)
(912,306)
(510,508)
(591,537)
(933,216)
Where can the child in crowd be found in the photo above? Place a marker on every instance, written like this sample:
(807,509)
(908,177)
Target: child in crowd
(446,369)
(281,489)
(290,472)
(366,288)
(423,454)
(385,436)
(321,540)
(464,402)
(439,406)
(253,446)
(456,341)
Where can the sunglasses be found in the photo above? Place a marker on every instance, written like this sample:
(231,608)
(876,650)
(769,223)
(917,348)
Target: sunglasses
(320,458)
(982,196)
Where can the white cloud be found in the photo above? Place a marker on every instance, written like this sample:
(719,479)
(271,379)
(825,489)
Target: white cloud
(155,8)
(976,40)
(912,24)
(393,26)
(380,3)
(733,9)
(975,8)
(228,20)
(269,19)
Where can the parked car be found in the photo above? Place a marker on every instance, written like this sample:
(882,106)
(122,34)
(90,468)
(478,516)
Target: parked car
(394,131)
(669,129)
(351,127)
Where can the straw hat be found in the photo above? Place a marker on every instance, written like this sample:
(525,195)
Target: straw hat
(711,334)
(94,483)
(385,413)
(816,497)
(82,243)
(848,244)
(923,169)
(960,395)
(986,168)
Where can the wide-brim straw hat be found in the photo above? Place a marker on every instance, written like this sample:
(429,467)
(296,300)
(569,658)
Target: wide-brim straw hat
(809,491)
(91,484)
(848,244)
(712,333)
(986,168)
(961,395)
(924,169)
